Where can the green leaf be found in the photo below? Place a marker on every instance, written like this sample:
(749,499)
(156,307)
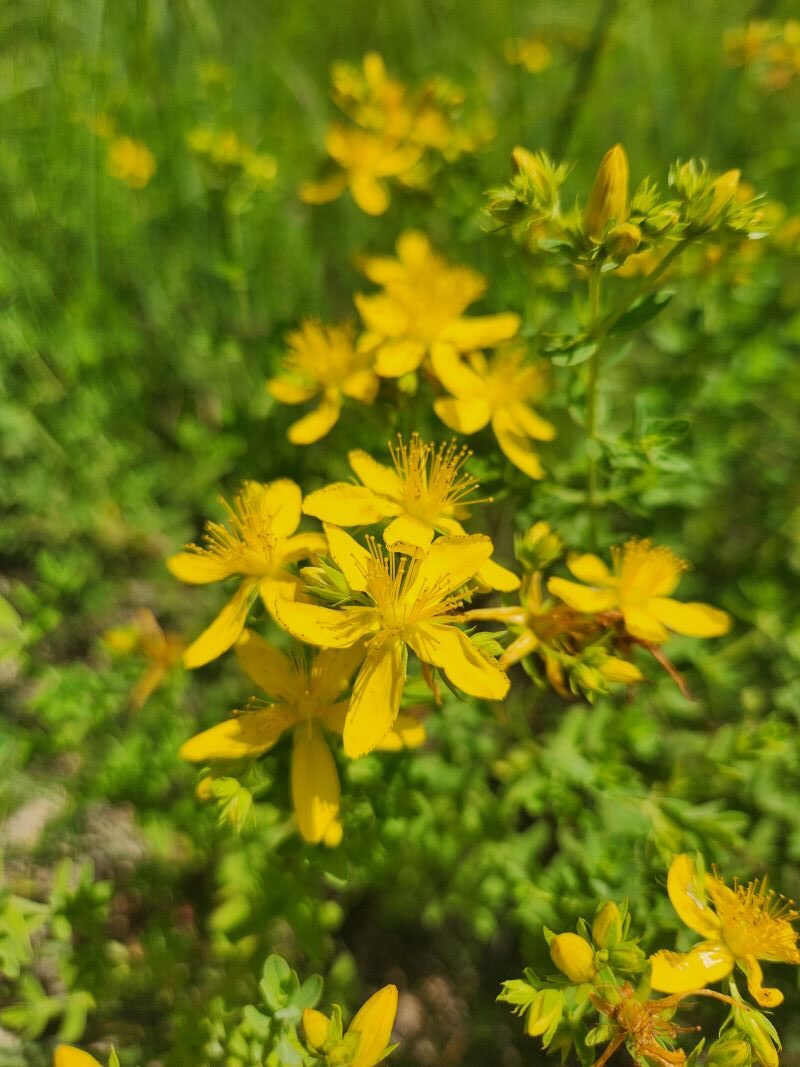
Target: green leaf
(642,311)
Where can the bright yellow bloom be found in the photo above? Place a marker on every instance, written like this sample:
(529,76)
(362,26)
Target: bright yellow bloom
(426,493)
(371,98)
(423,304)
(307,699)
(373,1022)
(608,200)
(365,161)
(130,162)
(639,587)
(499,391)
(323,361)
(67,1056)
(258,544)
(741,926)
(411,603)
(161,650)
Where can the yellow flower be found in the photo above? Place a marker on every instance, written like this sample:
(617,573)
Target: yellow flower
(410,603)
(130,162)
(639,587)
(423,304)
(499,391)
(426,493)
(307,699)
(161,650)
(258,545)
(574,957)
(365,160)
(531,53)
(67,1056)
(741,926)
(371,98)
(608,200)
(373,1024)
(323,360)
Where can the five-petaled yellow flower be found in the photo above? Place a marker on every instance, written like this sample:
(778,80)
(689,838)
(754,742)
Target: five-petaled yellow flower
(639,587)
(365,160)
(258,544)
(423,303)
(373,1024)
(427,493)
(409,602)
(307,699)
(499,391)
(324,361)
(741,926)
(69,1056)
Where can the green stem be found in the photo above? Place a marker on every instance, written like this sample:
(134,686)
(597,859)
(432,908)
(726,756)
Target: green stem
(645,286)
(591,404)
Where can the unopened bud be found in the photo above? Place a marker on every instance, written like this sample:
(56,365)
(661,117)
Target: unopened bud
(538,547)
(573,956)
(729,1052)
(529,164)
(724,187)
(607,925)
(316,1027)
(545,1010)
(614,669)
(628,958)
(608,200)
(623,240)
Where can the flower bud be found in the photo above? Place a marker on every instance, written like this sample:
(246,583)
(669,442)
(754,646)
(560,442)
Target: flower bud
(608,200)
(538,546)
(573,956)
(623,240)
(729,1052)
(724,188)
(607,925)
(614,669)
(316,1027)
(545,1010)
(529,164)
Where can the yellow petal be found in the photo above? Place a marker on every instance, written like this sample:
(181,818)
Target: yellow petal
(483,331)
(198,568)
(639,622)
(289,392)
(448,564)
(270,669)
(323,192)
(463,416)
(398,161)
(316,1027)
(318,422)
(531,424)
(240,737)
(590,569)
(371,195)
(694,620)
(516,445)
(463,663)
(67,1056)
(763,995)
(581,597)
(455,373)
(363,386)
(315,782)
(396,358)
(272,589)
(325,627)
(377,692)
(374,1022)
(496,577)
(380,479)
(679,972)
(348,505)
(224,631)
(381,314)
(348,555)
(614,669)
(407,533)
(301,546)
(331,673)
(281,500)
(407,732)
(688,897)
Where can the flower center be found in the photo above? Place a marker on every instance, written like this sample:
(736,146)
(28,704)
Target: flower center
(434,483)
(756,921)
(645,572)
(247,544)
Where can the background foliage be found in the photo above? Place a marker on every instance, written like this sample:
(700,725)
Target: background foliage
(137,329)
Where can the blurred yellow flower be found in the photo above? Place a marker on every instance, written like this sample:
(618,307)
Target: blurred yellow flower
(307,699)
(323,360)
(411,603)
(499,391)
(530,52)
(365,160)
(639,587)
(130,162)
(741,926)
(373,1024)
(427,493)
(68,1056)
(146,638)
(258,544)
(423,304)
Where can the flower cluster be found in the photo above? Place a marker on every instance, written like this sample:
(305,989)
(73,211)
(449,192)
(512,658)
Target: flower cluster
(226,156)
(594,1002)
(394,132)
(770,49)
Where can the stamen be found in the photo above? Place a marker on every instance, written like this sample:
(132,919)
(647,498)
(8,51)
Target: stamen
(433,477)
